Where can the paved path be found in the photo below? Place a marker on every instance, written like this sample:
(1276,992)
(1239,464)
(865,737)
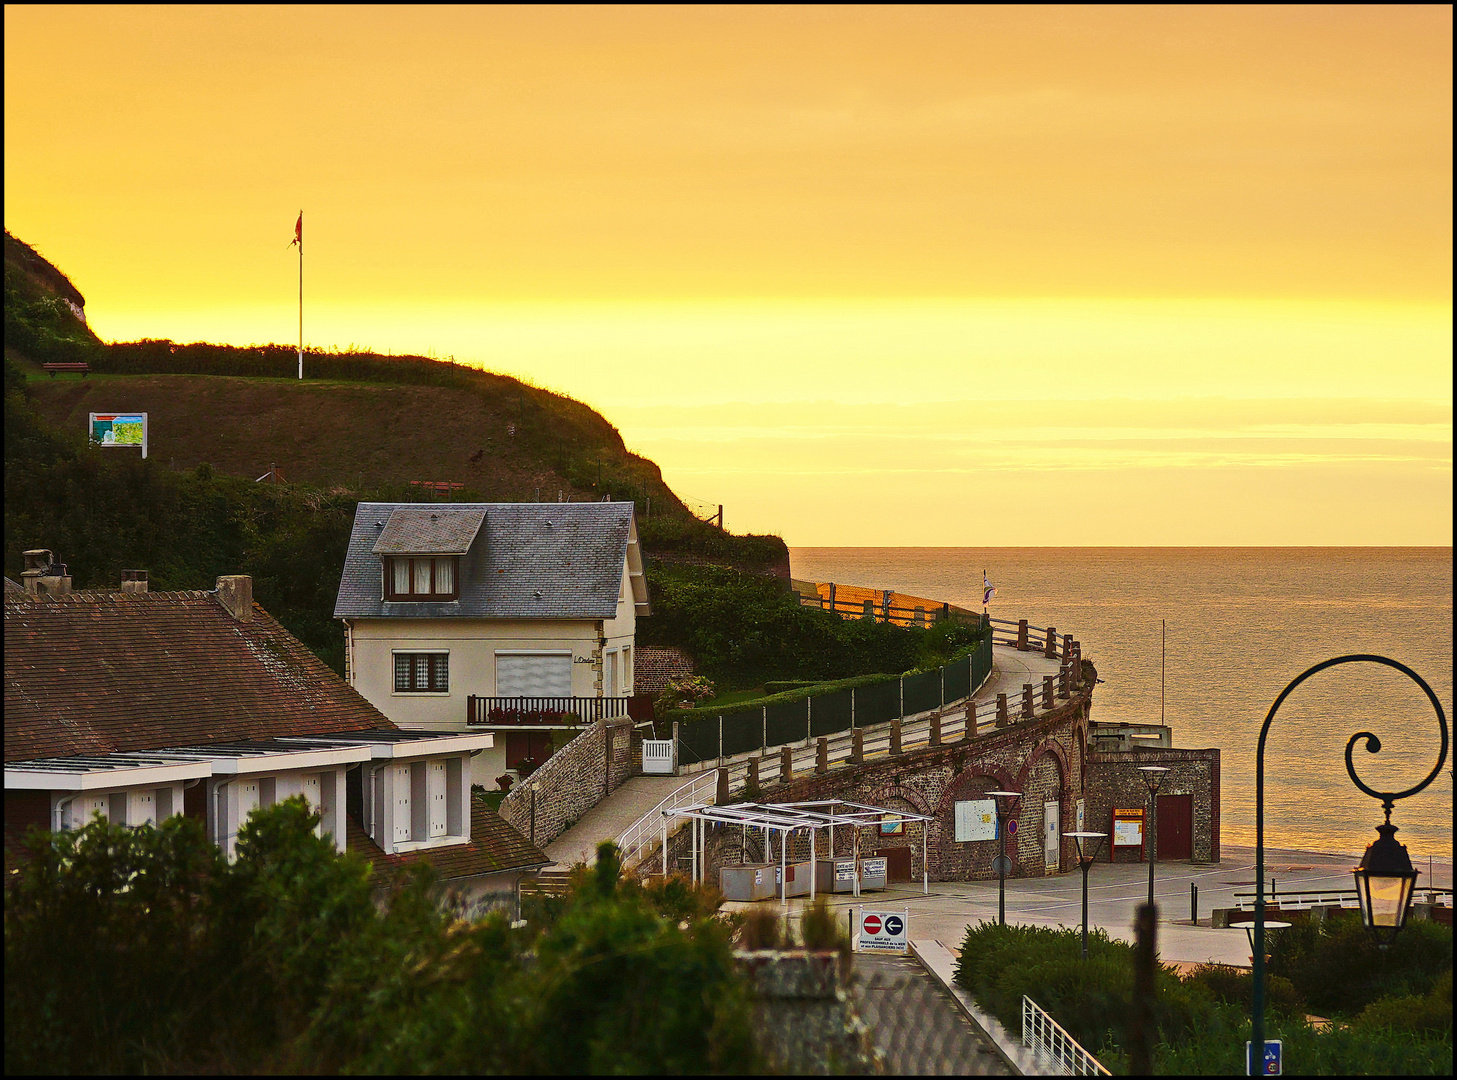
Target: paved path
(1114,892)
(610,817)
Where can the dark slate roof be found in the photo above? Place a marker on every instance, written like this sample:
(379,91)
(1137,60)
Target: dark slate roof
(494,848)
(529,560)
(418,530)
(13,588)
(100,672)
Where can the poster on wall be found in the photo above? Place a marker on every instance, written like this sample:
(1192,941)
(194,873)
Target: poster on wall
(976,820)
(1127,828)
(892,827)
(119,429)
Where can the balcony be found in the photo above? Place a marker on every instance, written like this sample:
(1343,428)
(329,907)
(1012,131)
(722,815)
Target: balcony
(552,713)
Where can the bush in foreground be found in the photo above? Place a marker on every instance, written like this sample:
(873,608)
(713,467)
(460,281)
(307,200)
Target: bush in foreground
(144,950)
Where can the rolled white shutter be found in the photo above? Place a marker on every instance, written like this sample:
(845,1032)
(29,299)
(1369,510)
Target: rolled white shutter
(534,676)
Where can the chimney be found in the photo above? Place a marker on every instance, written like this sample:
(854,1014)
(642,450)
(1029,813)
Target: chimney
(42,576)
(133,581)
(235,593)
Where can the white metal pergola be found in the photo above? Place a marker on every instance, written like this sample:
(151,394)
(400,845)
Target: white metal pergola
(787,819)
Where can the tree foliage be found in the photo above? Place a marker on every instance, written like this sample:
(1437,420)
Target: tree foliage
(144,950)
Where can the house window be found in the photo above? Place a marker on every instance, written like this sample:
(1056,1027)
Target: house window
(419,577)
(422,673)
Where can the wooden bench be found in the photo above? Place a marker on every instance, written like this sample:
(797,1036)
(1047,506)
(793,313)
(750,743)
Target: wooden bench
(84,369)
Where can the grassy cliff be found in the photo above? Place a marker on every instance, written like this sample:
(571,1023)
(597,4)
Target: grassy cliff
(361,426)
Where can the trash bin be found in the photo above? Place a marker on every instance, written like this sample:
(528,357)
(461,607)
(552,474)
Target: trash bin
(751,881)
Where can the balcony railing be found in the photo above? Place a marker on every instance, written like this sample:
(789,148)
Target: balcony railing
(553,712)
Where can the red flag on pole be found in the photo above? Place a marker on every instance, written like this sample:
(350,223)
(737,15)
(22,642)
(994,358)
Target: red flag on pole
(298,231)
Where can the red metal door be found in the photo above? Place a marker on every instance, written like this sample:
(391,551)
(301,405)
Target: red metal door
(897,863)
(1176,827)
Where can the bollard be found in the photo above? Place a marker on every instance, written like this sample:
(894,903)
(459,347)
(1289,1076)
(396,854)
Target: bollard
(895,735)
(1002,718)
(822,756)
(1051,650)
(935,733)
(786,765)
(1022,645)
(1027,701)
(1047,691)
(857,746)
(1194,903)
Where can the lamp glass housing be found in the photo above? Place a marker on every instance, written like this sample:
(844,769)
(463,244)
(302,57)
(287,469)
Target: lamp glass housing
(1385,883)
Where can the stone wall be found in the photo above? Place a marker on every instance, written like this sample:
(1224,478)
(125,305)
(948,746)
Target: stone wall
(805,1021)
(1115,783)
(1040,757)
(573,780)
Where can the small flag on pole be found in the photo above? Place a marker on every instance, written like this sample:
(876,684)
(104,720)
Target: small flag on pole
(988,590)
(298,231)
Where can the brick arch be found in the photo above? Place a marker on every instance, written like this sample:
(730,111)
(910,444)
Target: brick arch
(958,783)
(879,796)
(1044,748)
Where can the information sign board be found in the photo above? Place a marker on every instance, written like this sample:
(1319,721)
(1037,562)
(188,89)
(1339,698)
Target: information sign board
(1127,828)
(119,429)
(976,819)
(889,827)
(883,931)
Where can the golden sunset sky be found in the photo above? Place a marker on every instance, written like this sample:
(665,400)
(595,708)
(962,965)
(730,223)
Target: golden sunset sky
(889,276)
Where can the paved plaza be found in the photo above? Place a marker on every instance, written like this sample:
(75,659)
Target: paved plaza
(1114,892)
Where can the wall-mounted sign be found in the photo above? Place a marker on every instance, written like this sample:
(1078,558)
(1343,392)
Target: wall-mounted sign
(889,827)
(976,819)
(119,429)
(1128,828)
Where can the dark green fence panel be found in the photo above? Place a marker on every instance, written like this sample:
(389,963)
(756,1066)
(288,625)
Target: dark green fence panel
(922,691)
(981,661)
(829,713)
(788,722)
(958,679)
(878,703)
(697,740)
(743,731)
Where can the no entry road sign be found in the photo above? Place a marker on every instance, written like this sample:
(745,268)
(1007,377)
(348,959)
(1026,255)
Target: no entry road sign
(882,931)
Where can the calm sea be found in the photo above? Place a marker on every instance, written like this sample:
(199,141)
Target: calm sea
(1241,623)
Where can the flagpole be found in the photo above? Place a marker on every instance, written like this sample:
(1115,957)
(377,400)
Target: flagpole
(301,295)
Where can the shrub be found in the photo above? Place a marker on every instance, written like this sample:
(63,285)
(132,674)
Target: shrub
(1337,967)
(1236,986)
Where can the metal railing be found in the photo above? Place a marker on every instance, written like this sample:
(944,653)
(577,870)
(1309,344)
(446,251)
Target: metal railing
(1041,1033)
(541,711)
(882,605)
(642,838)
(1297,899)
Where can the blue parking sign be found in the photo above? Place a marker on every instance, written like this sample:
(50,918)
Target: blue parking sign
(1270,1064)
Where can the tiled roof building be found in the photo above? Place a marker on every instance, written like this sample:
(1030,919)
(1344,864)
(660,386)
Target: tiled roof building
(138,705)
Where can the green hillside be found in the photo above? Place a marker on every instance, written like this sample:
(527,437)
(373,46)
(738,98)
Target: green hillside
(360,427)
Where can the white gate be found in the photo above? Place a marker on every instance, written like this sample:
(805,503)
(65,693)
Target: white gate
(657,757)
(1052,836)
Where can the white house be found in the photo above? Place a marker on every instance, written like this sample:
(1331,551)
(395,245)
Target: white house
(498,617)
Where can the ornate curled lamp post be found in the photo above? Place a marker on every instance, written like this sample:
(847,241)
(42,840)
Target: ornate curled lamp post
(1385,880)
(1003,863)
(1085,863)
(1153,779)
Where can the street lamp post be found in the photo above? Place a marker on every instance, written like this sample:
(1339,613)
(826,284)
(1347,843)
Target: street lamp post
(1085,863)
(1004,812)
(1385,879)
(1153,779)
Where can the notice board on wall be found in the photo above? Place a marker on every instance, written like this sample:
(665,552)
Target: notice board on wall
(1128,828)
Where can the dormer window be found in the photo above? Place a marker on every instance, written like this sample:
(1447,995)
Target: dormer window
(422,577)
